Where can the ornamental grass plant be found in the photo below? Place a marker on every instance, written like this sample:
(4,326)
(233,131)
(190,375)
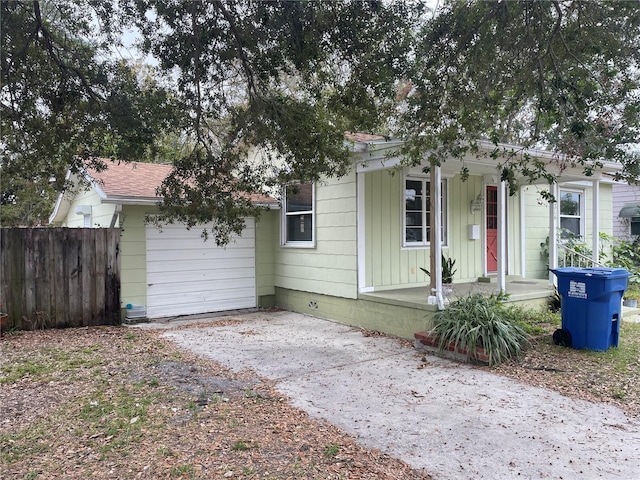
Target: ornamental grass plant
(476,321)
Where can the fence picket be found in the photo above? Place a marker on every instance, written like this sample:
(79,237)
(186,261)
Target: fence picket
(60,277)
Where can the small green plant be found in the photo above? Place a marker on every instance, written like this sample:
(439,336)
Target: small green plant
(14,372)
(242,445)
(633,291)
(448,269)
(182,470)
(627,255)
(476,321)
(331,450)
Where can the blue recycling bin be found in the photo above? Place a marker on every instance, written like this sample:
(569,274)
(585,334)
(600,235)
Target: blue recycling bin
(591,304)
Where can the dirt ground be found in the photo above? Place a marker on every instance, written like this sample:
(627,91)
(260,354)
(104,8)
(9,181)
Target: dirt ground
(109,402)
(113,402)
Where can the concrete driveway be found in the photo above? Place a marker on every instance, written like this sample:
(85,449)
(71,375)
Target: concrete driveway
(454,421)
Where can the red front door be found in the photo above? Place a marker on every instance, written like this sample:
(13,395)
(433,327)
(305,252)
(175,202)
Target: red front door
(492,228)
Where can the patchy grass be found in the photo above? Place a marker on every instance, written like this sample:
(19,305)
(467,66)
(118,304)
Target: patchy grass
(610,377)
(110,402)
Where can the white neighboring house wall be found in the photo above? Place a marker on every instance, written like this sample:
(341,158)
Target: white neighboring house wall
(84,207)
(623,194)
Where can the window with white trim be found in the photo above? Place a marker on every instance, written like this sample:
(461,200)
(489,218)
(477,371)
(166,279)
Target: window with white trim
(417,213)
(634,226)
(571,213)
(298,215)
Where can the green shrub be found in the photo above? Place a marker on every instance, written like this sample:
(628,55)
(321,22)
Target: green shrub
(627,255)
(476,321)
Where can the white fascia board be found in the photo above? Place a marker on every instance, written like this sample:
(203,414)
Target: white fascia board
(269,206)
(155,201)
(125,200)
(383,163)
(96,186)
(62,205)
(372,146)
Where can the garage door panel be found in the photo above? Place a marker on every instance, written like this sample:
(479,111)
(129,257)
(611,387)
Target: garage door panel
(160,244)
(207,278)
(197,298)
(194,303)
(197,307)
(182,255)
(179,234)
(186,275)
(188,284)
(181,237)
(225,264)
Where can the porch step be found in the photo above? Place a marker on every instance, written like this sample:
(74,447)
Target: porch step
(494,279)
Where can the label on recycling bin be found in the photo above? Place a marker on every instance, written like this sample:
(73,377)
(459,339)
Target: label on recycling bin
(577,289)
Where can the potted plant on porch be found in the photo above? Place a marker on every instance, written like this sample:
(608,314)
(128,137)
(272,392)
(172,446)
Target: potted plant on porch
(448,271)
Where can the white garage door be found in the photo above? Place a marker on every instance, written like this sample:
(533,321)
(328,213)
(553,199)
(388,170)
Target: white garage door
(186,275)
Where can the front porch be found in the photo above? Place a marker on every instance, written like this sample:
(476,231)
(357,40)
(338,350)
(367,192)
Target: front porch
(524,291)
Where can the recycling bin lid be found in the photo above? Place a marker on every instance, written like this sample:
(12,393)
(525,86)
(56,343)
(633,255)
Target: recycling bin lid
(591,272)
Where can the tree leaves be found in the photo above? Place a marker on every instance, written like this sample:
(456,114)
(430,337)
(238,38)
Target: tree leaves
(65,102)
(557,75)
(262,92)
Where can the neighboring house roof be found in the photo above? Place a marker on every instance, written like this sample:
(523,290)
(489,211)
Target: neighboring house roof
(131,183)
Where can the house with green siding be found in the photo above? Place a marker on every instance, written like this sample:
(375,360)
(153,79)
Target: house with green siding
(351,249)
(372,231)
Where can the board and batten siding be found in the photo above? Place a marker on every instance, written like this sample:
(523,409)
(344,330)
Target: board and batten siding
(331,267)
(390,265)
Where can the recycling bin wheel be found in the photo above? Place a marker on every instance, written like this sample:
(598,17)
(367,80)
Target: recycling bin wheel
(562,337)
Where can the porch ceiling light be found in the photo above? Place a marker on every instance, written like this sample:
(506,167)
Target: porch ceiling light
(476,205)
(630,210)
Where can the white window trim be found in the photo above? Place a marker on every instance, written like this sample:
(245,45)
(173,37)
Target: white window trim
(445,213)
(581,207)
(633,220)
(283,221)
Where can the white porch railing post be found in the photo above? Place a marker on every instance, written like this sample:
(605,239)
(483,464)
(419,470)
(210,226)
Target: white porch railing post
(502,234)
(523,233)
(436,229)
(595,215)
(361,261)
(553,232)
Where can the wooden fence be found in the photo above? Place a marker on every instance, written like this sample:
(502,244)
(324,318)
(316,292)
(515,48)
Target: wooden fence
(59,277)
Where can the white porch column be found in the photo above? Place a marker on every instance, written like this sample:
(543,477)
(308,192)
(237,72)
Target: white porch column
(595,215)
(553,231)
(523,233)
(502,235)
(436,228)
(361,260)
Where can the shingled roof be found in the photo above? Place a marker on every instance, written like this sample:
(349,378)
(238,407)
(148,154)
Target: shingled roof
(130,179)
(140,180)
(129,184)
